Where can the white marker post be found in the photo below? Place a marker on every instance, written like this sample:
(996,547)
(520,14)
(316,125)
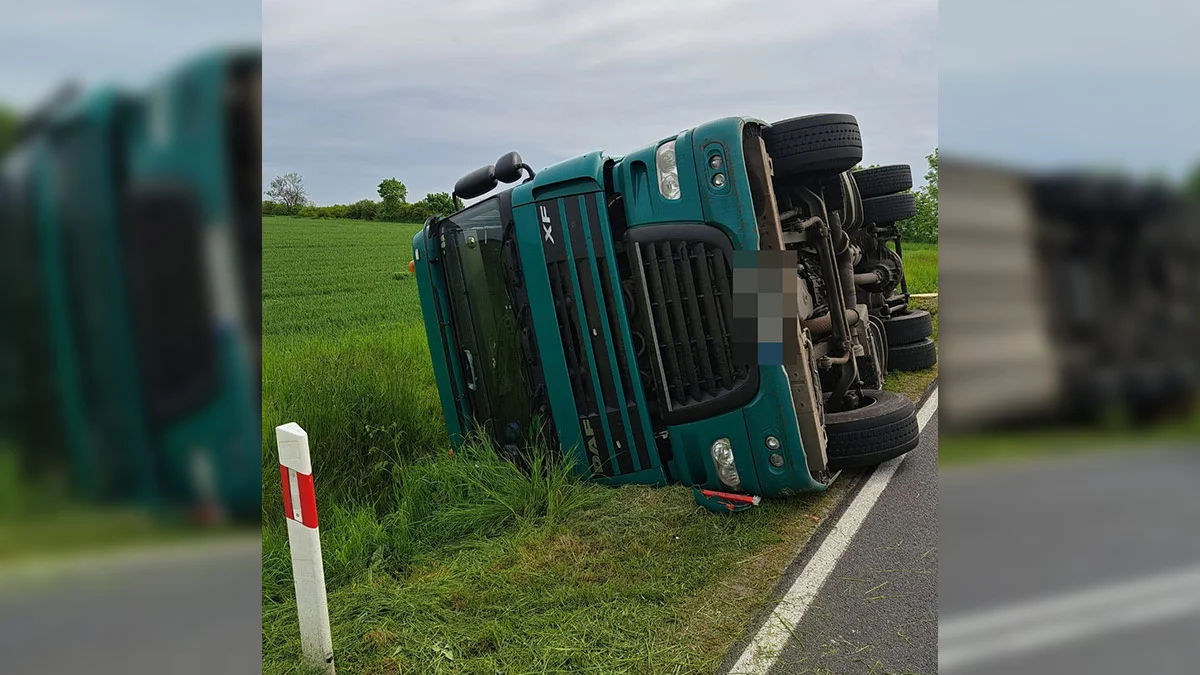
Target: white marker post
(308,572)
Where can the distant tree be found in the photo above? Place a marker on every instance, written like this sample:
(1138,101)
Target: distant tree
(9,122)
(439,202)
(931,176)
(392,196)
(289,191)
(923,227)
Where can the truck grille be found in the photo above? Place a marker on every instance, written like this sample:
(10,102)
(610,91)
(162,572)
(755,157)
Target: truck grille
(603,384)
(684,276)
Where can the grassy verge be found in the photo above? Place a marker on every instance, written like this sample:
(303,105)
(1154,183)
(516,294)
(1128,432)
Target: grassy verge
(464,564)
(44,521)
(964,449)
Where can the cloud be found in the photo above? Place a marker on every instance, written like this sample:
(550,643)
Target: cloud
(128,42)
(1046,84)
(357,92)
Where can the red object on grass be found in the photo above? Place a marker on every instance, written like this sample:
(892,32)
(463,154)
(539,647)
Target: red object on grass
(732,497)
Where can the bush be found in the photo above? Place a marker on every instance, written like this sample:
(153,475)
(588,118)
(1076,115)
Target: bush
(363,209)
(922,228)
(270,208)
(439,202)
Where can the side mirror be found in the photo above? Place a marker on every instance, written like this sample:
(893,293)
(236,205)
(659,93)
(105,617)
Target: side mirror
(479,182)
(508,168)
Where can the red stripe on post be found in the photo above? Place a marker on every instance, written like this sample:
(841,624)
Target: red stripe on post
(287,491)
(308,499)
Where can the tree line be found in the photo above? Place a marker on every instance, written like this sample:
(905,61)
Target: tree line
(287,196)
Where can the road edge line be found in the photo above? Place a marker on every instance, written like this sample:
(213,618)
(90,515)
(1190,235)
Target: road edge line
(764,649)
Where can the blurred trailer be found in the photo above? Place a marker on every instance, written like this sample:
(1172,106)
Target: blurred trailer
(1066,296)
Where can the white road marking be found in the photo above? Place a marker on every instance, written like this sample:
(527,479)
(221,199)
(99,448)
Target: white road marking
(1024,627)
(764,650)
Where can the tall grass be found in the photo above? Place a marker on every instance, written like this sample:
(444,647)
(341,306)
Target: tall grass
(364,399)
(433,504)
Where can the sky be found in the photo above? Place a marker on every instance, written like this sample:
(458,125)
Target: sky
(427,91)
(129,42)
(1042,83)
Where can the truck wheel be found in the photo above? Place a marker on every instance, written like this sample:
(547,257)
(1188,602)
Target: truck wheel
(883,180)
(884,428)
(814,144)
(914,356)
(909,327)
(889,208)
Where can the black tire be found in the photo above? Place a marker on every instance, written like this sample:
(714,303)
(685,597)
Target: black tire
(914,356)
(874,433)
(883,180)
(889,208)
(814,144)
(909,327)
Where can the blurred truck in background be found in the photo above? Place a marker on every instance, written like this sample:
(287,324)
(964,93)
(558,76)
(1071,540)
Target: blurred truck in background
(130,257)
(1069,296)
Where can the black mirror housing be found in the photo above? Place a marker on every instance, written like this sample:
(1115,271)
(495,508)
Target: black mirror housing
(479,182)
(508,168)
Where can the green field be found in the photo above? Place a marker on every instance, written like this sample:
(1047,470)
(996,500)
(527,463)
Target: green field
(464,564)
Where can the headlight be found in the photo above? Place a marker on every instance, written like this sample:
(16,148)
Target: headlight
(668,173)
(722,454)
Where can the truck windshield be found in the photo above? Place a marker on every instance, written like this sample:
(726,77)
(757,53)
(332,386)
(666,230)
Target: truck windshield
(485,323)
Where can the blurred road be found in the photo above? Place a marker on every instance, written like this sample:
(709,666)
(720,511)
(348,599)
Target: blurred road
(1084,564)
(184,610)
(871,606)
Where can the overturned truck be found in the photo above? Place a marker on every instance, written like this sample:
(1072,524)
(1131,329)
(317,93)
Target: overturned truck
(712,309)
(1071,297)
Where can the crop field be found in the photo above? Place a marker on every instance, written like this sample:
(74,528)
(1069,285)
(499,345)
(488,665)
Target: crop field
(440,563)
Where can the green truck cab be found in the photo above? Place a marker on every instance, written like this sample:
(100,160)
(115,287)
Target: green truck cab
(132,245)
(611,306)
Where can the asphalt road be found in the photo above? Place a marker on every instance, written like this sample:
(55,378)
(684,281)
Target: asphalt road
(1081,564)
(181,612)
(876,612)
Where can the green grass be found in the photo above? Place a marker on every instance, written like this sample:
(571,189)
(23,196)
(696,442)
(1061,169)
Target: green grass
(439,563)
(44,520)
(335,276)
(1024,444)
(921,267)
